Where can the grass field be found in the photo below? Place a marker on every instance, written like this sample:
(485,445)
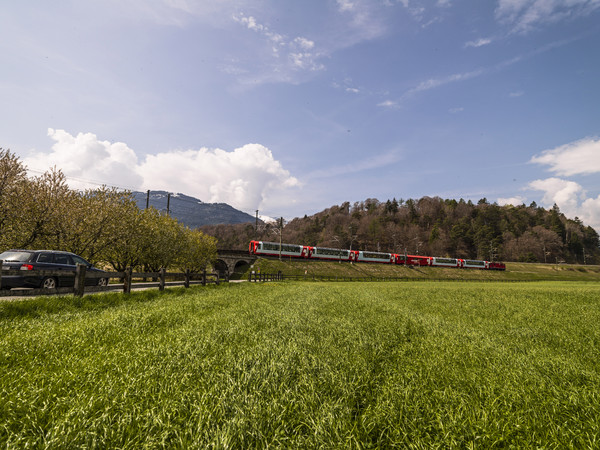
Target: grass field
(305,365)
(514,272)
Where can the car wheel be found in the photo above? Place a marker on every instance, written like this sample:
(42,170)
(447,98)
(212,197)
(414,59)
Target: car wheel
(49,283)
(102,281)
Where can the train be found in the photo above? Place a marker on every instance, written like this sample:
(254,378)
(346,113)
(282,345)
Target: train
(338,254)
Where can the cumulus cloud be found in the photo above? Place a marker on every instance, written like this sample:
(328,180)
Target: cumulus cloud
(242,178)
(84,157)
(247,178)
(571,198)
(577,158)
(515,201)
(566,194)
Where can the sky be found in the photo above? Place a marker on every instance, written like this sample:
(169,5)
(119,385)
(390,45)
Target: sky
(289,107)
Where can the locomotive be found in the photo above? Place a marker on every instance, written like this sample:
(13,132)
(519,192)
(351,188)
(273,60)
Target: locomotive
(337,254)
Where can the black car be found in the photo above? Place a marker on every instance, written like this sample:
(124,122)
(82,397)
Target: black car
(30,261)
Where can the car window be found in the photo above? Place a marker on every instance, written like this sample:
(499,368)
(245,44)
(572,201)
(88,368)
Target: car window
(15,256)
(80,260)
(45,258)
(63,259)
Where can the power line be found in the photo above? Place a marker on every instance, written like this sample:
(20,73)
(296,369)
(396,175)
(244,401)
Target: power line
(83,180)
(131,189)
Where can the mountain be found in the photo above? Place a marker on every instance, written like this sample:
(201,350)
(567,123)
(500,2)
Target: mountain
(190,211)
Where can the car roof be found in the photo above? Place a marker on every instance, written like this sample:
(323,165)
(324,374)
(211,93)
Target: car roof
(39,251)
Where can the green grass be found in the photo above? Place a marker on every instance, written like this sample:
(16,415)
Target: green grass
(332,365)
(514,272)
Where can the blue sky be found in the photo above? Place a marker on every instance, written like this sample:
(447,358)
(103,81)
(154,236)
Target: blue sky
(290,107)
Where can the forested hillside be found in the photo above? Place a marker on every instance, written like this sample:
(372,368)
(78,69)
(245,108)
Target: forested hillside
(435,227)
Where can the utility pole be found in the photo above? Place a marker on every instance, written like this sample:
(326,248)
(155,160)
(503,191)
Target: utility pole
(256,226)
(147,198)
(338,240)
(168,202)
(280,235)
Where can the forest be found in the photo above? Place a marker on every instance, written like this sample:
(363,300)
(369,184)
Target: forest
(435,227)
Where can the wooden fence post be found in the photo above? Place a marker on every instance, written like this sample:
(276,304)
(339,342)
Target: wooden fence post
(186,283)
(127,275)
(161,278)
(204,277)
(79,285)
(217,280)
(0,274)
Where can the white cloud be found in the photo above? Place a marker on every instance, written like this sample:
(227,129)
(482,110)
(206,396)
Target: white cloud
(515,201)
(241,178)
(366,21)
(300,51)
(388,104)
(590,212)
(525,15)
(566,194)
(347,85)
(456,110)
(516,94)
(86,158)
(478,43)
(576,158)
(345,5)
(433,83)
(571,199)
(247,178)
(304,43)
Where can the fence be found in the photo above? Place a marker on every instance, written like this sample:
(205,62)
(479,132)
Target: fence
(280,277)
(80,280)
(255,277)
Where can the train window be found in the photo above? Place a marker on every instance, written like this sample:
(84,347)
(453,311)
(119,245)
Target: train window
(377,255)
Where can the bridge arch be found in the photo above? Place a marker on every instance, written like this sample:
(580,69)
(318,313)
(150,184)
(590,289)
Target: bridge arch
(231,262)
(221,268)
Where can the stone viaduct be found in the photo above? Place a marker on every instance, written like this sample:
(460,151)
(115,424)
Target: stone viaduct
(230,262)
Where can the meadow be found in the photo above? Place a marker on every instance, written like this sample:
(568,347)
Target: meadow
(305,365)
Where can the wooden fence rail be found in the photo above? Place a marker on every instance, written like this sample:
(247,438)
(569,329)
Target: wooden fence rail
(255,277)
(127,280)
(279,277)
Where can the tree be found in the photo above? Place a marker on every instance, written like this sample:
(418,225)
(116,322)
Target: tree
(13,180)
(161,240)
(200,250)
(46,211)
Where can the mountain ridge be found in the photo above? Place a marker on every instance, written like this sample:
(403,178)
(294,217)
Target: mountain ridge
(191,211)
